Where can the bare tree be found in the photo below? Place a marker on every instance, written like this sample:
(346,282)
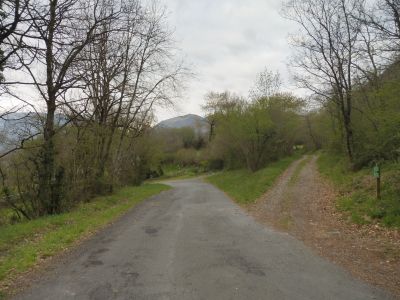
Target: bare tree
(157,76)
(56,39)
(12,14)
(128,72)
(91,71)
(327,53)
(267,84)
(13,28)
(384,17)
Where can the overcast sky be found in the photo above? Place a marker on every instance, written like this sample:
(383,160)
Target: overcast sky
(227,43)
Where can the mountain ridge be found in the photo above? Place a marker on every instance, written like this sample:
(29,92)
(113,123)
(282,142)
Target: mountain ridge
(198,123)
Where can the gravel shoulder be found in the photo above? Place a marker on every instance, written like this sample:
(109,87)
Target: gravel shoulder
(302,203)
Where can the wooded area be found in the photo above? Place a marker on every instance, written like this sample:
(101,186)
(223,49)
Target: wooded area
(82,79)
(347,55)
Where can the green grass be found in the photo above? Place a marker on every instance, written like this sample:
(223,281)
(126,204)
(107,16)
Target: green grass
(6,215)
(244,186)
(23,245)
(174,171)
(358,191)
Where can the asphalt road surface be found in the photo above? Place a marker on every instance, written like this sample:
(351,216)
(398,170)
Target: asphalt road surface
(193,242)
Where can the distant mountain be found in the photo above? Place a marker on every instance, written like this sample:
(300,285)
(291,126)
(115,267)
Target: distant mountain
(199,124)
(18,126)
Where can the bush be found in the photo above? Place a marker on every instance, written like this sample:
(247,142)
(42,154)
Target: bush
(214,164)
(186,157)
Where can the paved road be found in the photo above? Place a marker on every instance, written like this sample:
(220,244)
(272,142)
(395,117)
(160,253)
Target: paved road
(192,242)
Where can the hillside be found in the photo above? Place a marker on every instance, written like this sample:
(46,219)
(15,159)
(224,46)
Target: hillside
(21,125)
(199,124)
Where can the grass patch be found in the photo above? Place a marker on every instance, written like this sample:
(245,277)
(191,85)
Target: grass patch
(174,171)
(7,215)
(244,186)
(22,245)
(357,191)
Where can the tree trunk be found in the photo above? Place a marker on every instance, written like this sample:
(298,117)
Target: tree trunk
(47,166)
(349,140)
(348,126)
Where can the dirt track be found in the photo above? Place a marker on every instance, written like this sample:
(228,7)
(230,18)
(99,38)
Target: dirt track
(303,204)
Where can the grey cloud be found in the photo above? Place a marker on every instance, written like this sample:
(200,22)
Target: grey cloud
(228,42)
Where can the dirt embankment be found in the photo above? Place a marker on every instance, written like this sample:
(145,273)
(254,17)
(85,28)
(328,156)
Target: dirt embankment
(303,203)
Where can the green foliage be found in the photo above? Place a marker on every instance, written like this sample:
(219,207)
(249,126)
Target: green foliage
(23,245)
(245,186)
(7,215)
(334,166)
(375,121)
(174,171)
(253,134)
(80,173)
(358,191)
(173,139)
(187,157)
(183,153)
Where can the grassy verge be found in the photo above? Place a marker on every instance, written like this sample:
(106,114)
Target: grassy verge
(6,215)
(357,191)
(23,245)
(174,171)
(244,186)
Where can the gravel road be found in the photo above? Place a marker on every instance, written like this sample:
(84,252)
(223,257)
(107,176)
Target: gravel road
(303,204)
(193,242)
